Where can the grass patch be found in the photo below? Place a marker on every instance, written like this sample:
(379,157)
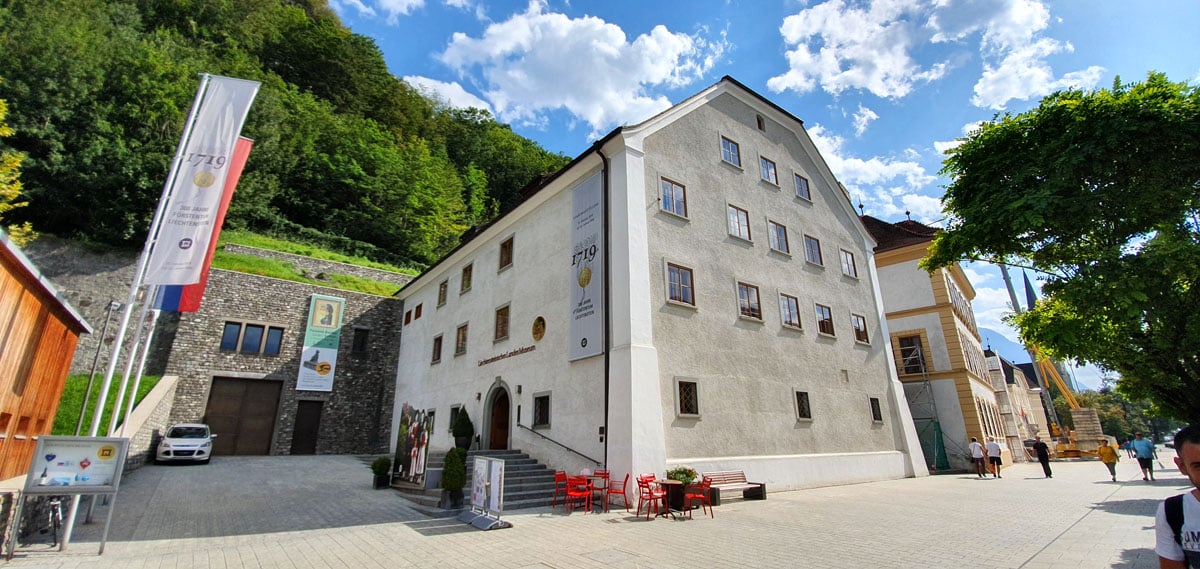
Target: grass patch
(270,243)
(287,271)
(72,400)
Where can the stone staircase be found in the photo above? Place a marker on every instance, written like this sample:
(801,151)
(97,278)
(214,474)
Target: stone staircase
(527,483)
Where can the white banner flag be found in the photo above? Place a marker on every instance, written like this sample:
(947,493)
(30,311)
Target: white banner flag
(587,271)
(195,195)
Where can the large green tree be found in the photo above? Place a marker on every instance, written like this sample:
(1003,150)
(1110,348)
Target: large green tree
(1099,191)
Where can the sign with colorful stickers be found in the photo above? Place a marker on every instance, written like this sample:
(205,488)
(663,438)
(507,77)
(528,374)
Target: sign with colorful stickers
(76,465)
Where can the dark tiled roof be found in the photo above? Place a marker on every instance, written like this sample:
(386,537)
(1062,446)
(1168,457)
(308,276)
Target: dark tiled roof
(1030,374)
(896,235)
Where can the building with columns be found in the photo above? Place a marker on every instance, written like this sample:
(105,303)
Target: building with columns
(695,290)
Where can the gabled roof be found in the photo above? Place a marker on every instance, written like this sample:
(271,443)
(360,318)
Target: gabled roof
(898,235)
(1030,374)
(15,261)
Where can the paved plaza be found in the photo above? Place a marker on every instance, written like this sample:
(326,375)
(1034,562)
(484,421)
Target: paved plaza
(320,512)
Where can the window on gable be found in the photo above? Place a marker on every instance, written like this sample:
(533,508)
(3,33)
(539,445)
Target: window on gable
(437,349)
(417,312)
(848,267)
(407,317)
(777,235)
(876,410)
(460,340)
(860,328)
(762,124)
(246,338)
(767,168)
(541,410)
(466,278)
(812,250)
(506,253)
(748,304)
(674,198)
(803,408)
(802,187)
(739,222)
(687,398)
(501,323)
(442,288)
(824,319)
(912,356)
(789,310)
(730,152)
(679,284)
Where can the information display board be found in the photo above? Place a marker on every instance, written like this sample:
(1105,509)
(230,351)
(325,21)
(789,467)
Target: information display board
(76,465)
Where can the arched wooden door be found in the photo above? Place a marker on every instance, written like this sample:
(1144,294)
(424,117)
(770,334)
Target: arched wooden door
(498,435)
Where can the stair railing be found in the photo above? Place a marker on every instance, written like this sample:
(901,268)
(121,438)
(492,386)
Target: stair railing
(596,462)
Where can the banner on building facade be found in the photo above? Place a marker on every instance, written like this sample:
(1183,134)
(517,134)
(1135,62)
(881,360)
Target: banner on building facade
(197,183)
(318,360)
(587,271)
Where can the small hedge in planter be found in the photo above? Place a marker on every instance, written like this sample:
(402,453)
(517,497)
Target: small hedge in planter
(462,429)
(454,476)
(381,467)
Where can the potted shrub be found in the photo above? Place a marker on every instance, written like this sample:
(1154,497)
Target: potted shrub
(462,429)
(454,478)
(382,468)
(685,474)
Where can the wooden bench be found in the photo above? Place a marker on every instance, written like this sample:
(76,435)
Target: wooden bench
(734,480)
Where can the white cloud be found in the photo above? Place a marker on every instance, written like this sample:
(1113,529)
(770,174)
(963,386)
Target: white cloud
(539,61)
(862,118)
(451,93)
(340,6)
(967,129)
(396,8)
(887,186)
(840,47)
(872,45)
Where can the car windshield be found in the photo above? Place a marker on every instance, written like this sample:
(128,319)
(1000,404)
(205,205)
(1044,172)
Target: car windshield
(187,433)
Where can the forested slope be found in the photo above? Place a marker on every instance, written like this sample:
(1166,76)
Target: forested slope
(346,155)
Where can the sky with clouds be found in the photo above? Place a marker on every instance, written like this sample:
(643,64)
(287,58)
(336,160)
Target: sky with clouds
(883,86)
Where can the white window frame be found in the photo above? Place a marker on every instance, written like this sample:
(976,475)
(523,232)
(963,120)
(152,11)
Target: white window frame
(465,327)
(820,262)
(679,402)
(796,401)
(787,298)
(507,323)
(736,153)
(757,301)
(663,183)
(742,214)
(667,266)
(549,410)
(828,310)
(773,229)
(768,170)
(855,320)
(439,345)
(796,178)
(853,272)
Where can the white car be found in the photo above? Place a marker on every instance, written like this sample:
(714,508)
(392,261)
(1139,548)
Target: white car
(190,442)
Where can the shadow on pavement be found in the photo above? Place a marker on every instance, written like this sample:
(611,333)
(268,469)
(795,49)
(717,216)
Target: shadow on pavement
(1131,558)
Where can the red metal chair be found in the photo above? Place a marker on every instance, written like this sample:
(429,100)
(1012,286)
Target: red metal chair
(578,488)
(650,495)
(560,486)
(699,493)
(615,487)
(600,482)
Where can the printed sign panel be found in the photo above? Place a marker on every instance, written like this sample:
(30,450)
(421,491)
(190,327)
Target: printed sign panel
(318,359)
(587,271)
(76,465)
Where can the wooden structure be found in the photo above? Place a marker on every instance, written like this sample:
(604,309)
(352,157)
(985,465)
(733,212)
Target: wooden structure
(38,335)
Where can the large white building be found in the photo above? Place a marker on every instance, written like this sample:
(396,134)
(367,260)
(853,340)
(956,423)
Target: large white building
(738,291)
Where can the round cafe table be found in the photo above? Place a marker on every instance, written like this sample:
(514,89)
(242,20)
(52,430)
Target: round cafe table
(674,497)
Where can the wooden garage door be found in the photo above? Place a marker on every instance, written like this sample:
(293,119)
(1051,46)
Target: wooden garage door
(242,414)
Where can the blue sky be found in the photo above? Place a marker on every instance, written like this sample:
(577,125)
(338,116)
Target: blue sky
(883,87)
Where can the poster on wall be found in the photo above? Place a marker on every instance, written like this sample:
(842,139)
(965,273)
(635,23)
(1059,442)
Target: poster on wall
(318,358)
(76,465)
(412,444)
(587,271)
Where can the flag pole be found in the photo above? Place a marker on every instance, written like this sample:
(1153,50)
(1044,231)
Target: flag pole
(151,237)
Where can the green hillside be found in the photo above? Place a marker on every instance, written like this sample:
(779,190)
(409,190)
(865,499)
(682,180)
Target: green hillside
(347,157)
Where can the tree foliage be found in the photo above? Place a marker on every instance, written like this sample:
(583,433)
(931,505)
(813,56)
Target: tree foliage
(346,155)
(1100,192)
(10,185)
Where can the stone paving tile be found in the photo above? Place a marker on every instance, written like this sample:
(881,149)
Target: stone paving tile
(320,512)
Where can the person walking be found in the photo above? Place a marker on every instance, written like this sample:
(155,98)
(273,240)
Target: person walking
(1108,455)
(977,456)
(1143,449)
(1177,522)
(993,452)
(1043,456)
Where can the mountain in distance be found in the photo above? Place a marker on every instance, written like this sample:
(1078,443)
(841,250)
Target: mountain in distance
(1009,350)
